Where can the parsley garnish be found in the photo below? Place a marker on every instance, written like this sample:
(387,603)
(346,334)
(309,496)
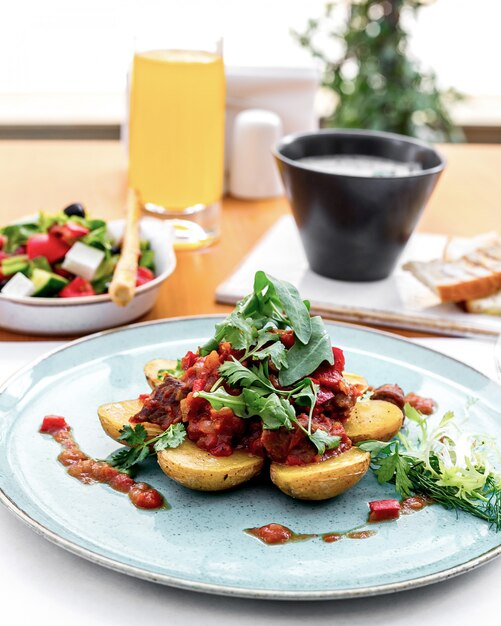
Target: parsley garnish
(141,447)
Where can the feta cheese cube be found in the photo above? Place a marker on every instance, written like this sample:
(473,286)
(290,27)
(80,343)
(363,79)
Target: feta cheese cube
(18,286)
(83,260)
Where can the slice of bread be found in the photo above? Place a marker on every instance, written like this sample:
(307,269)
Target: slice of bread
(491,305)
(455,281)
(473,275)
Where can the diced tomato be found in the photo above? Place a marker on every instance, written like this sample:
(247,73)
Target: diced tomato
(3,241)
(338,359)
(52,423)
(77,288)
(44,244)
(198,385)
(144,275)
(328,377)
(324,395)
(188,360)
(69,232)
(287,338)
(381,510)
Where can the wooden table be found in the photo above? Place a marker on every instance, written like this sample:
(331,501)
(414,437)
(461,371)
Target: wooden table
(50,175)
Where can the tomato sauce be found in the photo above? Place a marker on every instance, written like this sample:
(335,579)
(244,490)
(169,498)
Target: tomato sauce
(361,534)
(426,406)
(89,471)
(274,534)
(414,504)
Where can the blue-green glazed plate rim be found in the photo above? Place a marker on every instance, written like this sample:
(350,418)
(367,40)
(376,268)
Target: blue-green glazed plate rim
(448,377)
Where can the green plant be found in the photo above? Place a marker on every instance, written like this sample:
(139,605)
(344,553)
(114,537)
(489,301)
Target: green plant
(378,85)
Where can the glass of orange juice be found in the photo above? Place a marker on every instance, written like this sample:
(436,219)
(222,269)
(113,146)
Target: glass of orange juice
(176,138)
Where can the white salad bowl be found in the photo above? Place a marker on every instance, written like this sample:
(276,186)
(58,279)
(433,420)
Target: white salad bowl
(72,316)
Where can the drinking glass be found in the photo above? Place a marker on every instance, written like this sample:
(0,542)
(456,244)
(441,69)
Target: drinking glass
(176,136)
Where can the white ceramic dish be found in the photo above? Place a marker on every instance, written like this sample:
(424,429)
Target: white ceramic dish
(58,316)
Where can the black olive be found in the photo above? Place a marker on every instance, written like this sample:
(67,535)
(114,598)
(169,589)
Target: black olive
(4,282)
(115,249)
(75,209)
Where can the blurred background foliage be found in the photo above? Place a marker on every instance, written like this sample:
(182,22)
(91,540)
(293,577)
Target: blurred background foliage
(375,81)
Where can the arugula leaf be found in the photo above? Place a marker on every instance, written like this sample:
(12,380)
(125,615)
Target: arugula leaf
(236,329)
(239,332)
(171,438)
(288,296)
(276,352)
(306,394)
(323,441)
(304,359)
(238,375)
(273,410)
(221,398)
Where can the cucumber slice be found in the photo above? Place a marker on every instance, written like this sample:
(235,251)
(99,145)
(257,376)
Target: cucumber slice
(46,283)
(15,264)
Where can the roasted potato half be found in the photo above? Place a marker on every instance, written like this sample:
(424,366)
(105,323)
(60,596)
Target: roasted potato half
(324,480)
(116,415)
(373,419)
(154,366)
(197,469)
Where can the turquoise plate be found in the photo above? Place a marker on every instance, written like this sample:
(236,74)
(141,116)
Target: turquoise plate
(199,543)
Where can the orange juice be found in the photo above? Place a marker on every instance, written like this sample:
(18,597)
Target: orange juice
(176,131)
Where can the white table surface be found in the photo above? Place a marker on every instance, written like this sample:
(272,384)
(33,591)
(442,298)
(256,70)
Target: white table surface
(45,585)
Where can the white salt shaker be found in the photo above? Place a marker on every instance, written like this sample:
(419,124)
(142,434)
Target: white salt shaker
(253,172)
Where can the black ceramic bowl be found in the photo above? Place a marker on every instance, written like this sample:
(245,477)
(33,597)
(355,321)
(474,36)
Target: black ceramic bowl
(355,227)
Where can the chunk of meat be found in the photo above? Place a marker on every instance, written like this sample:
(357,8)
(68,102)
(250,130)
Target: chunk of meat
(162,406)
(390,393)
